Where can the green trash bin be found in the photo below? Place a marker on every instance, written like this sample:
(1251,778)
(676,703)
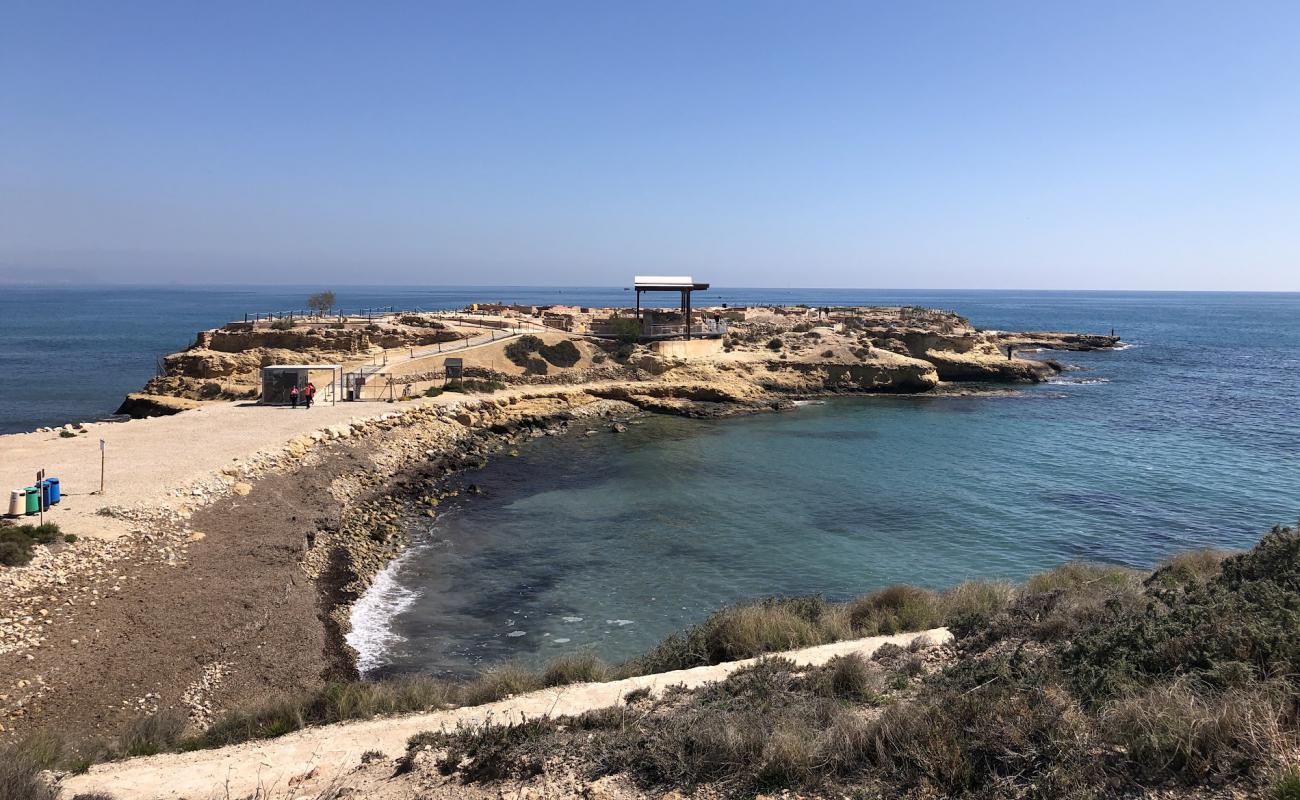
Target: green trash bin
(33,496)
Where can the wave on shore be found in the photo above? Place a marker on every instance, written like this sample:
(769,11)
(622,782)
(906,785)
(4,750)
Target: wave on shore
(371,633)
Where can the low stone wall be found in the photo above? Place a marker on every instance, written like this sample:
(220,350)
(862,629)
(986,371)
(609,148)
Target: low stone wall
(687,348)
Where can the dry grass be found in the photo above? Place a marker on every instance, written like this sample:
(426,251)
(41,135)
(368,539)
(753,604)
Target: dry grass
(21,764)
(1180,729)
(896,609)
(583,667)
(1194,567)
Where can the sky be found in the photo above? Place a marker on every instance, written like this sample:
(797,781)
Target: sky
(1035,145)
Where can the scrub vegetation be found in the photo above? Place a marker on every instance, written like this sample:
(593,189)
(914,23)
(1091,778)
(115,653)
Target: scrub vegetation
(17,542)
(562,354)
(1086,681)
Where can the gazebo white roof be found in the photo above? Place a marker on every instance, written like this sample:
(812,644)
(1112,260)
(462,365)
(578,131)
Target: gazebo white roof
(667,283)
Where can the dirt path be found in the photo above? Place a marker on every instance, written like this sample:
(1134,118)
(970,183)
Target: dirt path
(303,763)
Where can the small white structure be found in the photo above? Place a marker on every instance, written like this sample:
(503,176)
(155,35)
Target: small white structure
(277,380)
(681,284)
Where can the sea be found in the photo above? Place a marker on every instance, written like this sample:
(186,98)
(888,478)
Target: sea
(1187,437)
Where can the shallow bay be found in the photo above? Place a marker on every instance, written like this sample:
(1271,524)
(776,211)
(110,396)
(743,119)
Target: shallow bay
(611,541)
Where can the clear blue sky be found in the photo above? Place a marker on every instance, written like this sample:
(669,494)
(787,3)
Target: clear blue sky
(904,144)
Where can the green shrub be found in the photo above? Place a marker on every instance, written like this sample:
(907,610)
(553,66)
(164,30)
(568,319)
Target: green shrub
(1286,785)
(625,329)
(67,434)
(473,385)
(282,324)
(562,354)
(775,343)
(519,350)
(17,542)
(1238,625)
(14,552)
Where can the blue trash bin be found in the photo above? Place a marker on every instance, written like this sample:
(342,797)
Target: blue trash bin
(51,490)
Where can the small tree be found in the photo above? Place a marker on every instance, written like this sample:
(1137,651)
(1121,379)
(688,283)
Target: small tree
(321,302)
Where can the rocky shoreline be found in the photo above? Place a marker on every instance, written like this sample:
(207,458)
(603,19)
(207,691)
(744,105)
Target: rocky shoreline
(241,586)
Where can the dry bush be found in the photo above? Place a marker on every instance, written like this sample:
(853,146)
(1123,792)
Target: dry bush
(21,764)
(851,677)
(156,733)
(1193,567)
(1177,729)
(1076,575)
(746,631)
(499,683)
(967,741)
(584,667)
(895,609)
(975,602)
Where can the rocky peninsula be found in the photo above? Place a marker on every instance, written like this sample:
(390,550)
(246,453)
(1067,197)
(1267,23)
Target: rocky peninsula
(220,565)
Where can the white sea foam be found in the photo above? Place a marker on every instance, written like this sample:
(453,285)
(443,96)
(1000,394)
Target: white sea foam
(372,616)
(571,619)
(514,634)
(619,622)
(809,402)
(1079,381)
(561,641)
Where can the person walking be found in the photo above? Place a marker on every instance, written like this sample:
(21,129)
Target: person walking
(311,393)
(293,396)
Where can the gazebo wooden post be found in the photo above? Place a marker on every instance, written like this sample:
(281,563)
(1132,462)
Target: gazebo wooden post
(686,302)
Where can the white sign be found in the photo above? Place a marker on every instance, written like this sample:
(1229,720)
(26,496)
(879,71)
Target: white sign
(102,445)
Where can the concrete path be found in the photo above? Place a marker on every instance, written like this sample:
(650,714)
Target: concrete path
(282,766)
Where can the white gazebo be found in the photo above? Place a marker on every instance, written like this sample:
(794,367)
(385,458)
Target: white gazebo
(671,283)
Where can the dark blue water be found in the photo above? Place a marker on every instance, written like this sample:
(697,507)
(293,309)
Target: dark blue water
(1190,438)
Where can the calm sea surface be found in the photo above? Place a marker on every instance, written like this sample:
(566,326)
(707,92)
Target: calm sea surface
(1189,438)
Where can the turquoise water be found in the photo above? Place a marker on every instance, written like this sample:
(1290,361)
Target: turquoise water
(1190,438)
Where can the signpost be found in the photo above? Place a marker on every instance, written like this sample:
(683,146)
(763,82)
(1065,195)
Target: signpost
(40,494)
(102,447)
